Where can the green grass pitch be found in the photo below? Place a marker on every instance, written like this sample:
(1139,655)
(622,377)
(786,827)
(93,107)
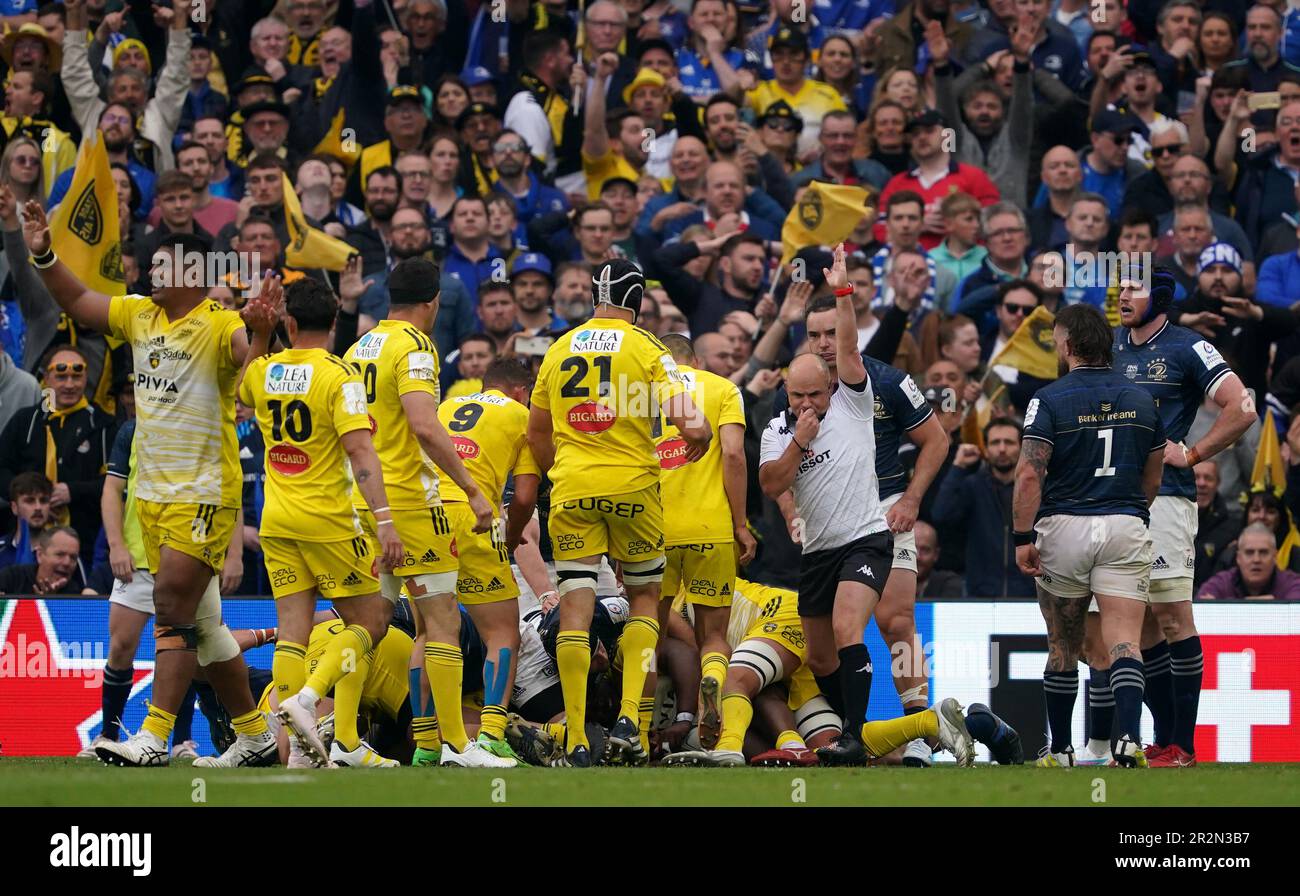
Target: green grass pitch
(71,782)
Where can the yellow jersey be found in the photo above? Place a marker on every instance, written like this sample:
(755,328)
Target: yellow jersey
(490,432)
(185,376)
(602,168)
(812,101)
(387,684)
(604,384)
(396,359)
(696,510)
(467,386)
(305,401)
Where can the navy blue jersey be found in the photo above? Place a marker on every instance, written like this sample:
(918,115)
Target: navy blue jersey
(1179,368)
(900,407)
(1102,429)
(119,459)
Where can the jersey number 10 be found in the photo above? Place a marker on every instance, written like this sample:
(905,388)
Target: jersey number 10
(1107,436)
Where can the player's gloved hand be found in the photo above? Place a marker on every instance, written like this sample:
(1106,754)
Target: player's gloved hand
(1027,560)
(746,543)
(902,516)
(482,513)
(391,549)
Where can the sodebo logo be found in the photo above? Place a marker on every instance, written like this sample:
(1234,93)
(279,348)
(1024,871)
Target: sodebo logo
(77,850)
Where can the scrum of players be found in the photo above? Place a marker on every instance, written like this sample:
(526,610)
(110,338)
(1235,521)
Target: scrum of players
(388,503)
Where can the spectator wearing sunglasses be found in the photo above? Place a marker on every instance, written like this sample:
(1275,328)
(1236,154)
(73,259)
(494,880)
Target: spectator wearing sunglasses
(67,439)
(1107,166)
(1017,299)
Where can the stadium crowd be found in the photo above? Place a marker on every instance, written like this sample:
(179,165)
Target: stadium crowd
(520,144)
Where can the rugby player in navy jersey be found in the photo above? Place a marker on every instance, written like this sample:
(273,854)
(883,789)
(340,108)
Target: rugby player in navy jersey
(1179,368)
(1090,466)
(900,408)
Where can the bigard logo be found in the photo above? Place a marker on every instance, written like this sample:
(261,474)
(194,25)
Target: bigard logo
(87,220)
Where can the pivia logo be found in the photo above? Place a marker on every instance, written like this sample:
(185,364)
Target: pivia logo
(591,417)
(466,448)
(288,460)
(672,453)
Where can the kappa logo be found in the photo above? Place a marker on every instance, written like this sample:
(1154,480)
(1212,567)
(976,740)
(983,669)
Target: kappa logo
(866,571)
(495,585)
(429,557)
(352,579)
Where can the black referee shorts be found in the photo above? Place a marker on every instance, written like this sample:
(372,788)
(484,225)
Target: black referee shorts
(866,560)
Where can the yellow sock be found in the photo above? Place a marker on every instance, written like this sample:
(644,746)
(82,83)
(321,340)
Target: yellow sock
(159,722)
(790,740)
(446,669)
(573,656)
(640,637)
(343,653)
(884,737)
(737,713)
(492,721)
(645,721)
(714,665)
(425,729)
(288,669)
(250,724)
(347,703)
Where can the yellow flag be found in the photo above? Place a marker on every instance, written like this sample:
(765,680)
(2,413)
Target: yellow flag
(309,247)
(1031,349)
(85,230)
(334,144)
(1269,472)
(824,216)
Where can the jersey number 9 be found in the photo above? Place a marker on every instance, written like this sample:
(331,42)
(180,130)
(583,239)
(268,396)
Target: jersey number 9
(465,417)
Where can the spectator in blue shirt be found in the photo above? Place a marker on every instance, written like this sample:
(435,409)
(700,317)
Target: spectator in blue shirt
(471,259)
(1106,167)
(705,64)
(510,156)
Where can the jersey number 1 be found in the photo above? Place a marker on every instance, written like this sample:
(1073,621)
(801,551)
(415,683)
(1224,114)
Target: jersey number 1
(1107,436)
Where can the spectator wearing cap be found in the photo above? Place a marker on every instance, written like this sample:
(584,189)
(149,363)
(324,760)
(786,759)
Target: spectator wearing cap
(1107,166)
(532,283)
(705,64)
(934,175)
(779,127)
(482,85)
(406,124)
(667,114)
(539,112)
(266,130)
(1139,97)
(510,158)
(836,164)
(478,126)
(1245,330)
(66,439)
(811,99)
(1262,61)
(902,41)
(619,194)
(992,133)
(1255,575)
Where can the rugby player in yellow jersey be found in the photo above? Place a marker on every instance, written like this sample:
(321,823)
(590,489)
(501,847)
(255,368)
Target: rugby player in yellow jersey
(398,364)
(311,409)
(705,532)
(771,648)
(490,431)
(187,351)
(599,391)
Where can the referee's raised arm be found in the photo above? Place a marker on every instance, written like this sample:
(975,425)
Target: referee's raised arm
(849,367)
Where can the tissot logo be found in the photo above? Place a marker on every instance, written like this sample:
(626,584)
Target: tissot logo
(77,850)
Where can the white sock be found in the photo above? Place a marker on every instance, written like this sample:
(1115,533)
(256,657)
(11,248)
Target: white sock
(1097,747)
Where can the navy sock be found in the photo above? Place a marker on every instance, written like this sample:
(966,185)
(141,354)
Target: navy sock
(830,688)
(913,710)
(855,684)
(113,696)
(1060,690)
(185,717)
(1188,663)
(1101,704)
(1127,683)
(1159,696)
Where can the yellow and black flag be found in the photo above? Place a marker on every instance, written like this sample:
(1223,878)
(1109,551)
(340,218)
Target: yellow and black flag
(825,215)
(85,230)
(1030,350)
(1269,472)
(309,247)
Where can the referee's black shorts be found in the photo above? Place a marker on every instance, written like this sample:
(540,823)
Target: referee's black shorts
(866,560)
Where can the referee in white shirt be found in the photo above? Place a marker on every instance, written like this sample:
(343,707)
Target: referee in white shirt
(823,450)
